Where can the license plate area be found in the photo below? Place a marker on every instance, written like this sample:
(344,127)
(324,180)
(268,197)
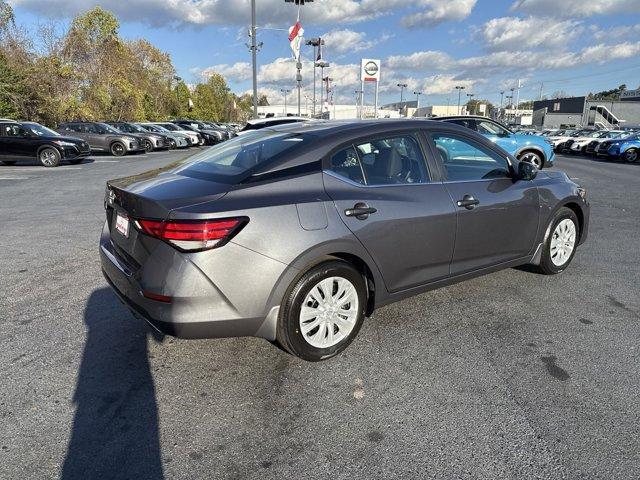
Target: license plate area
(122,224)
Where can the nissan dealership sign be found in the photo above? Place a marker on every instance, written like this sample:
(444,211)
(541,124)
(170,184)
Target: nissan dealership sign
(370,70)
(630,95)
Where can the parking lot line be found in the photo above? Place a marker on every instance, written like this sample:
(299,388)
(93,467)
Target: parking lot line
(14,178)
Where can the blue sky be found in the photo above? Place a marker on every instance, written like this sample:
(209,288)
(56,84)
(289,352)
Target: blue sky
(575,46)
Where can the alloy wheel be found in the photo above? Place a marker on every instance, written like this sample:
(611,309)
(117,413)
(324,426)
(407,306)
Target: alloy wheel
(532,157)
(563,241)
(48,158)
(329,312)
(631,155)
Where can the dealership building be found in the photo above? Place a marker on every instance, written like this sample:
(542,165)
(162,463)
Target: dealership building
(580,111)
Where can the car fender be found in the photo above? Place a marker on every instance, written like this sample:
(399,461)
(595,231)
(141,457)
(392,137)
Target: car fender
(50,145)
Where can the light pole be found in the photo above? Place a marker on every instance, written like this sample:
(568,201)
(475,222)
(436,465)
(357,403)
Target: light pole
(402,87)
(358,102)
(254,59)
(285,91)
(471,95)
(322,64)
(501,98)
(316,43)
(178,80)
(417,94)
(459,88)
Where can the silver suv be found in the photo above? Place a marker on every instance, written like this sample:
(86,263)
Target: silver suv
(102,137)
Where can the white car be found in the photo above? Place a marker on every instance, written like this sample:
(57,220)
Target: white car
(172,127)
(579,144)
(560,138)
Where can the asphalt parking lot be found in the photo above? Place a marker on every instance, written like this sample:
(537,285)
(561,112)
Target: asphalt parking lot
(509,376)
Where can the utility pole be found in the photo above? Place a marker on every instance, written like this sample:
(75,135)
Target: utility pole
(541,89)
(459,88)
(285,92)
(471,95)
(316,43)
(299,3)
(417,94)
(178,80)
(254,59)
(322,64)
(359,103)
(501,99)
(402,87)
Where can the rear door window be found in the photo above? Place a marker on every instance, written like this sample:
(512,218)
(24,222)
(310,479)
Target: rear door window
(383,161)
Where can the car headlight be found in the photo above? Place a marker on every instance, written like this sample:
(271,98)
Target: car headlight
(62,143)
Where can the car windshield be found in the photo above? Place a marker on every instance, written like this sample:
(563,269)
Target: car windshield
(232,160)
(41,130)
(136,128)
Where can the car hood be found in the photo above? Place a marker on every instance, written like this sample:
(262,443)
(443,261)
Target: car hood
(154,194)
(63,138)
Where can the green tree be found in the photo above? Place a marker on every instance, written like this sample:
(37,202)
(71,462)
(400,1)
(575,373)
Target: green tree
(12,90)
(212,99)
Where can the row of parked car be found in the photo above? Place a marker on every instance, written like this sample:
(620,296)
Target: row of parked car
(612,144)
(74,141)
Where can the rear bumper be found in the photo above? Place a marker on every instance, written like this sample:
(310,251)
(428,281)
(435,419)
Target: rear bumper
(198,308)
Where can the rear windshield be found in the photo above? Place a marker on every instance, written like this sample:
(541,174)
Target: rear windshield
(235,159)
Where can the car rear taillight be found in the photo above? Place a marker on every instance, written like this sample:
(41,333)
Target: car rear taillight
(193,236)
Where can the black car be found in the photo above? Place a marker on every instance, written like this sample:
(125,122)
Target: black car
(20,141)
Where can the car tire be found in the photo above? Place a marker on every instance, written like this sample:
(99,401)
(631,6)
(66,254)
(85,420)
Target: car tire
(631,155)
(532,157)
(560,243)
(172,145)
(49,157)
(118,149)
(316,325)
(8,162)
(148,146)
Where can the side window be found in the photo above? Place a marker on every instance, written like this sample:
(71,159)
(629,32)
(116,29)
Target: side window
(466,160)
(489,128)
(13,130)
(89,128)
(464,122)
(391,161)
(346,164)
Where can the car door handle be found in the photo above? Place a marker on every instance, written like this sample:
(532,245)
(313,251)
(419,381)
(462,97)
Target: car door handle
(468,202)
(360,210)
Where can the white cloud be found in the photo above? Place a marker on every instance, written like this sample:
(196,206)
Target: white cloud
(438,11)
(237,12)
(345,41)
(620,32)
(239,71)
(514,33)
(576,8)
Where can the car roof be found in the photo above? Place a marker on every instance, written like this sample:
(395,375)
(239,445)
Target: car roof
(260,121)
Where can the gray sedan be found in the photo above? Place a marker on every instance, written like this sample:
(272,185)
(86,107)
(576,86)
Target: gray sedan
(297,233)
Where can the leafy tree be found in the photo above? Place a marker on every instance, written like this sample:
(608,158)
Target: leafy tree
(11,89)
(473,106)
(613,94)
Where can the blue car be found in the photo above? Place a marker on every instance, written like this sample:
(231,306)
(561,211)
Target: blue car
(525,147)
(627,148)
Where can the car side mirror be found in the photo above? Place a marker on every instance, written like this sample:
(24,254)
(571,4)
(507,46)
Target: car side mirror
(527,171)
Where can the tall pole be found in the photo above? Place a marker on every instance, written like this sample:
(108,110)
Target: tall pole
(459,88)
(402,87)
(285,92)
(501,98)
(254,60)
(417,94)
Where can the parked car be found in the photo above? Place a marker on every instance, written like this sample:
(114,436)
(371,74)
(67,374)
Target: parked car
(212,135)
(580,144)
(150,141)
(259,123)
(176,139)
(195,138)
(626,149)
(529,148)
(102,137)
(581,138)
(207,136)
(296,233)
(20,141)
